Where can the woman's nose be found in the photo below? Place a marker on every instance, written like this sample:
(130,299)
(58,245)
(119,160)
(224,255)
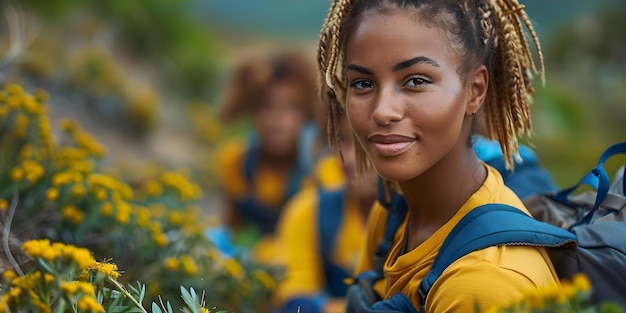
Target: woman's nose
(388,107)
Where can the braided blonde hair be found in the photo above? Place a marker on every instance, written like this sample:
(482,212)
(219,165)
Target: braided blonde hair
(494,37)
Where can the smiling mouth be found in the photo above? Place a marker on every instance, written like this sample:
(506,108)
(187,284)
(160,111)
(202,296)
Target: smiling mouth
(391,145)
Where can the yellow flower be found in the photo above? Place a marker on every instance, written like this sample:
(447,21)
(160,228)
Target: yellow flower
(69,288)
(186,190)
(122,217)
(21,126)
(82,257)
(34,171)
(64,178)
(189,265)
(72,213)
(160,239)
(17,174)
(4,205)
(582,282)
(108,269)
(85,141)
(34,248)
(14,102)
(52,194)
(143,217)
(106,209)
(89,304)
(9,275)
(4,308)
(100,194)
(171,264)
(78,190)
(30,104)
(4,110)
(152,188)
(175,218)
(14,89)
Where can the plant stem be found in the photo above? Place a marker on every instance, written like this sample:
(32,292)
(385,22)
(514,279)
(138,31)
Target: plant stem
(7,232)
(123,290)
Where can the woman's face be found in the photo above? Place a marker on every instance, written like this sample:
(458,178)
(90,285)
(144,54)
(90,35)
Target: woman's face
(279,120)
(405,101)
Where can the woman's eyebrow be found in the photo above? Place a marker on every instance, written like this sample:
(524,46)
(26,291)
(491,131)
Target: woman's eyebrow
(408,63)
(358,68)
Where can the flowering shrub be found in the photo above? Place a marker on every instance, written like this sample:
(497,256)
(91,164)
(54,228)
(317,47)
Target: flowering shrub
(65,278)
(55,188)
(570,297)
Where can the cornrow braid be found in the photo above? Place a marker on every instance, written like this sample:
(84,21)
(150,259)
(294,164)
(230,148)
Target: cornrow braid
(495,38)
(332,82)
(509,95)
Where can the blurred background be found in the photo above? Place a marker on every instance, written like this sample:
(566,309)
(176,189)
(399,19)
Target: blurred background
(145,78)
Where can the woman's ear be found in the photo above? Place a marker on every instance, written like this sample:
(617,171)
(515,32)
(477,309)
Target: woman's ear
(477,84)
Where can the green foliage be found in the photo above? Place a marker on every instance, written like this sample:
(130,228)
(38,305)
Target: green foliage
(581,110)
(151,226)
(157,32)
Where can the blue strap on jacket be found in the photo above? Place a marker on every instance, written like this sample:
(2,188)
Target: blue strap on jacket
(330,214)
(266,217)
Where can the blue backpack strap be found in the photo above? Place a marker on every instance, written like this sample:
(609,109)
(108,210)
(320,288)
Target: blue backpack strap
(396,211)
(251,158)
(330,213)
(596,178)
(361,296)
(492,225)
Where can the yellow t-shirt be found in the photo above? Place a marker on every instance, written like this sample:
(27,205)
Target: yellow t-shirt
(299,238)
(491,276)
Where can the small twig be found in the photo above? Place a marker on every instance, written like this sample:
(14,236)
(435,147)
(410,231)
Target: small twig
(121,288)
(7,232)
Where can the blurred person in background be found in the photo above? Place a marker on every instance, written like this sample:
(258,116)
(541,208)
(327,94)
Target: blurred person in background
(259,173)
(322,231)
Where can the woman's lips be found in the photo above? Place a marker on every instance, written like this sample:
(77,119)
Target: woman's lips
(391,145)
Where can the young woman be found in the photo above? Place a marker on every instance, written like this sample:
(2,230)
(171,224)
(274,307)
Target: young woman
(411,76)
(259,173)
(321,231)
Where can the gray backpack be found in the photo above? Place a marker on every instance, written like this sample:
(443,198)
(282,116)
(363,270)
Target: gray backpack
(598,219)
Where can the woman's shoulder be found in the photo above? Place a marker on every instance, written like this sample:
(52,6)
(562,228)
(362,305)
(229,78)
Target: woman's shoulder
(492,276)
(302,206)
(231,151)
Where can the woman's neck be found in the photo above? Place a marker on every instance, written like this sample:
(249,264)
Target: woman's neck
(436,195)
(277,162)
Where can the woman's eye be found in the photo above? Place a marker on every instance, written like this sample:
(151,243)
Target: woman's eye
(361,84)
(417,81)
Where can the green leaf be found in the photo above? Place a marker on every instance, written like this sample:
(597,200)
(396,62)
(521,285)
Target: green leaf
(143,292)
(46,267)
(156,308)
(187,297)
